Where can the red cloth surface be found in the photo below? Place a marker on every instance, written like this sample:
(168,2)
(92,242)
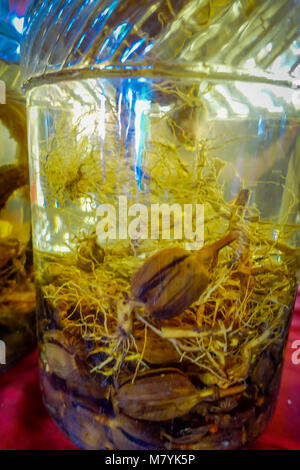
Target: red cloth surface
(25,424)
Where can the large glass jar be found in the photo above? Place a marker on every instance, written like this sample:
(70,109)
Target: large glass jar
(17,293)
(165,199)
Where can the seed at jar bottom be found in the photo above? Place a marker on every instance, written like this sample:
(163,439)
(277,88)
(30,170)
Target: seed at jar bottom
(260,422)
(57,400)
(86,428)
(263,372)
(166,394)
(225,440)
(163,396)
(191,436)
(225,405)
(91,426)
(227,421)
(132,434)
(60,361)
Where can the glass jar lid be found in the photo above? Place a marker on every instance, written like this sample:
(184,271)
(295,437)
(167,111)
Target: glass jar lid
(71,35)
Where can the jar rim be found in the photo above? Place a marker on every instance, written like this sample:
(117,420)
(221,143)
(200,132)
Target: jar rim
(175,70)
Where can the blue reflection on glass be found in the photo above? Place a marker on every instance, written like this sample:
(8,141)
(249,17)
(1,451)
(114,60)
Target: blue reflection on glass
(4,8)
(282,125)
(112,43)
(70,25)
(9,42)
(130,50)
(81,40)
(105,14)
(261,127)
(148,48)
(134,100)
(11,30)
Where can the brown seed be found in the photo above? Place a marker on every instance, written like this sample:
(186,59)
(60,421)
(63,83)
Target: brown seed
(162,396)
(234,420)
(132,434)
(59,357)
(172,279)
(190,436)
(157,349)
(87,427)
(165,394)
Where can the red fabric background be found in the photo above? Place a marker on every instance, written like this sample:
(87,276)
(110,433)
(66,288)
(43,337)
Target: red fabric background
(25,425)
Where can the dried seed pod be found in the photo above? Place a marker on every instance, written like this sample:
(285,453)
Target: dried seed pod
(85,427)
(160,396)
(133,434)
(263,371)
(224,439)
(225,405)
(165,394)
(157,350)
(59,356)
(190,436)
(54,396)
(59,361)
(172,279)
(234,420)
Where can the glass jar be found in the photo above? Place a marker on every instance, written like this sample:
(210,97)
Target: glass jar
(17,293)
(165,199)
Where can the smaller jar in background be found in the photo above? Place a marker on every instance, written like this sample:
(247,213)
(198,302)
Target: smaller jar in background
(17,295)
